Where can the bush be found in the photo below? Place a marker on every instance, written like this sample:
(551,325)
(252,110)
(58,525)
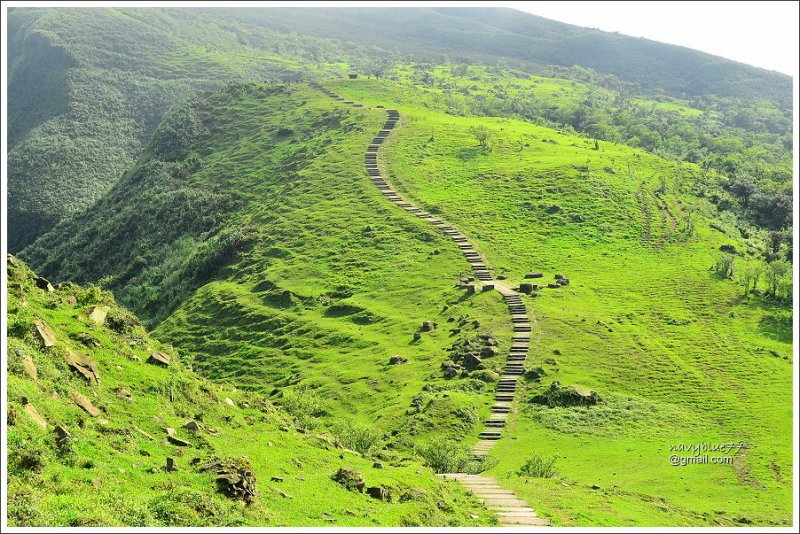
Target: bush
(304,405)
(356,437)
(537,466)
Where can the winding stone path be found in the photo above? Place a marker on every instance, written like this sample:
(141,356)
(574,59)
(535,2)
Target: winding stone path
(510,509)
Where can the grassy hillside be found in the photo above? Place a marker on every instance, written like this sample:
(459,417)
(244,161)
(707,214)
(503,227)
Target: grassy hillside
(678,353)
(70,467)
(256,243)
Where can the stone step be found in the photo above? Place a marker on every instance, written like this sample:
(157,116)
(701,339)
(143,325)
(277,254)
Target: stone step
(501,409)
(490,435)
(504,397)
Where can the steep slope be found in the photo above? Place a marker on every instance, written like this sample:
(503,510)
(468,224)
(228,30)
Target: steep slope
(102,434)
(87,87)
(675,352)
(250,236)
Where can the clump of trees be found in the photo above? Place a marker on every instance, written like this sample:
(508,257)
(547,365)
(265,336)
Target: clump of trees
(481,134)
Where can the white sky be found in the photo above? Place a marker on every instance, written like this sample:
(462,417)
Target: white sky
(764,34)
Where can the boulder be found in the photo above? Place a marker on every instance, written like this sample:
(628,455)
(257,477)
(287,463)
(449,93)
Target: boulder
(350,479)
(86,339)
(562,396)
(171,465)
(428,326)
(535,373)
(45,334)
(472,362)
(488,287)
(125,393)
(551,361)
(71,300)
(98,314)
(31,410)
(449,370)
(160,358)
(83,364)
(44,283)
(730,249)
(397,360)
(563,282)
(534,275)
(380,493)
(178,441)
(84,403)
(235,478)
(29,367)
(553,285)
(489,351)
(192,426)
(470,288)
(559,276)
(525,287)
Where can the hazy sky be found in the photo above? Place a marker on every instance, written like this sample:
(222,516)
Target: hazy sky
(764,34)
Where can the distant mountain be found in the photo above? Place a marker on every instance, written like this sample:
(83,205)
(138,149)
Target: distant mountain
(480,33)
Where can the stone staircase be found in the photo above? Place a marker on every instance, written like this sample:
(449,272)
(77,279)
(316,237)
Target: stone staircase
(514,367)
(510,509)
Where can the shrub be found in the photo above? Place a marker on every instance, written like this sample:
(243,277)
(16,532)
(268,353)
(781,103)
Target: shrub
(304,405)
(449,456)
(356,437)
(537,466)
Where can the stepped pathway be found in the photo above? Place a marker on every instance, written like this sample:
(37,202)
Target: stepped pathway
(518,513)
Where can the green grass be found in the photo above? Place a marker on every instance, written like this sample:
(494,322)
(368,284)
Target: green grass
(644,322)
(104,478)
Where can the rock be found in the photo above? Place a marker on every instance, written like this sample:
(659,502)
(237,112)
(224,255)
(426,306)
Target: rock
(145,434)
(229,402)
(428,326)
(472,362)
(380,493)
(411,494)
(417,336)
(178,441)
(284,495)
(551,361)
(71,300)
(377,465)
(86,339)
(84,403)
(555,208)
(563,282)
(98,315)
(235,478)
(534,275)
(525,287)
(31,410)
(578,218)
(29,367)
(470,288)
(557,395)
(449,370)
(171,465)
(276,479)
(501,277)
(160,358)
(489,352)
(553,285)
(63,437)
(84,365)
(44,283)
(125,393)
(485,375)
(488,287)
(192,426)
(557,352)
(730,249)
(170,431)
(559,276)
(350,479)
(535,373)
(12,261)
(45,334)
(397,360)
(143,452)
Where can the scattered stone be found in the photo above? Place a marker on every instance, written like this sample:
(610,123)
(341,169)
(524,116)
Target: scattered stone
(377,465)
(86,339)
(536,374)
(417,336)
(229,402)
(428,326)
(170,431)
(125,393)
(276,479)
(559,276)
(472,362)
(171,465)
(488,287)
(63,437)
(145,434)
(557,395)
(44,283)
(555,208)
(160,358)
(178,441)
(31,410)
(553,285)
(380,493)
(45,334)
(397,360)
(29,367)
(84,365)
(595,487)
(551,361)
(557,352)
(534,275)
(411,494)
(71,300)
(489,351)
(284,495)
(98,315)
(350,479)
(563,282)
(501,277)
(485,375)
(192,426)
(84,403)
(449,369)
(470,289)
(728,248)
(143,452)
(526,287)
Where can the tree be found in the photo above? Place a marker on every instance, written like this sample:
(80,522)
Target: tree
(776,276)
(481,133)
(725,265)
(459,70)
(743,188)
(750,275)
